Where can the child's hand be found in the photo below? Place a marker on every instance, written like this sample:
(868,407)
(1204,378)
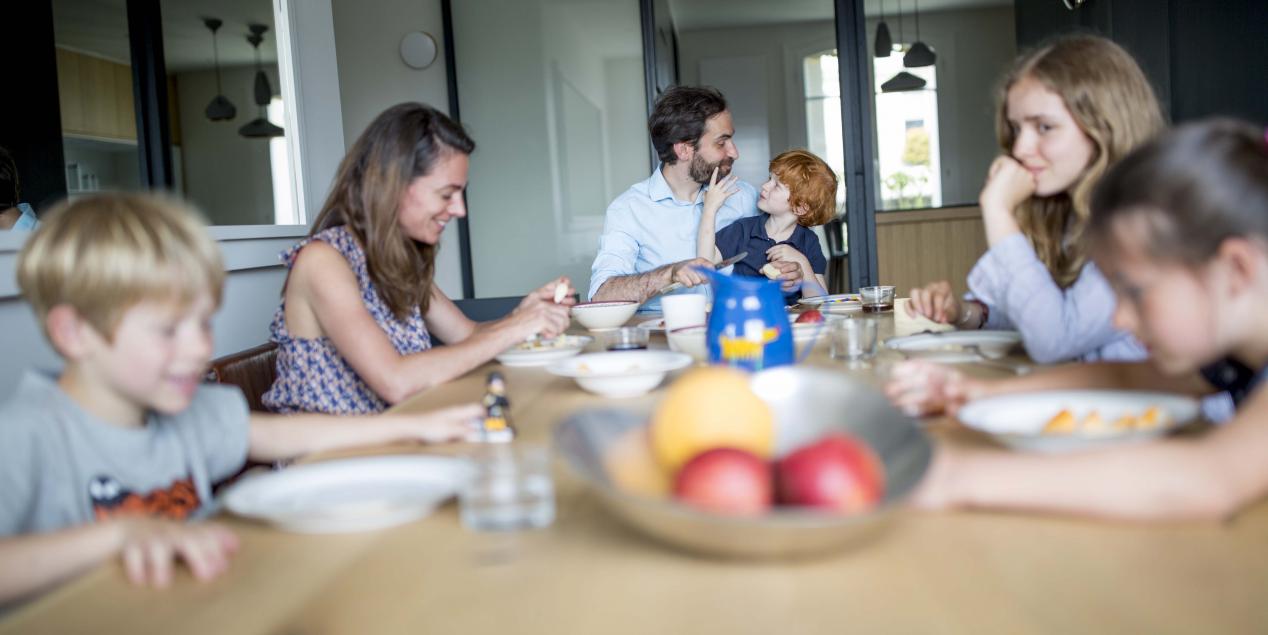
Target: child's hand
(446,424)
(150,546)
(921,388)
(719,191)
(1008,183)
(936,301)
(791,264)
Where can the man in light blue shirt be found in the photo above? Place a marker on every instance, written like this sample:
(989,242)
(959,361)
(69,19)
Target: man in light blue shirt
(649,232)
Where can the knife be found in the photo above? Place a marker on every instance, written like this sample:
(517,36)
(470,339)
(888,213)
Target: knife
(674,286)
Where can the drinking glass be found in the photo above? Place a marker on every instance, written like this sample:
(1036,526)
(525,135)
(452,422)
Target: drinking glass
(876,299)
(511,488)
(626,338)
(854,339)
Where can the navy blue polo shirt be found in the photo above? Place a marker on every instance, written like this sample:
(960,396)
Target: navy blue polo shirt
(749,234)
(1234,377)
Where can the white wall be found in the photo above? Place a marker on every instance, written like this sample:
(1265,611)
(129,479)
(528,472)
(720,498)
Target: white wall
(226,174)
(372,78)
(776,51)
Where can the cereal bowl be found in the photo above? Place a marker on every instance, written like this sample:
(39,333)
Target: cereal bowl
(604,315)
(620,374)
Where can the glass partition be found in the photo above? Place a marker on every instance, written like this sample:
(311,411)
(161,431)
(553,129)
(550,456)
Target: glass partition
(553,94)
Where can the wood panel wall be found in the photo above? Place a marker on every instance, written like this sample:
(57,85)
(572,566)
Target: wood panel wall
(919,247)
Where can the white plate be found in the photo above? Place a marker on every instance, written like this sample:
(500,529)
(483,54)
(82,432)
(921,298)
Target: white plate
(1018,420)
(545,351)
(349,495)
(839,303)
(949,346)
(621,373)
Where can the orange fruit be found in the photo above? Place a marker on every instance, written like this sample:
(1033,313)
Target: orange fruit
(631,466)
(710,408)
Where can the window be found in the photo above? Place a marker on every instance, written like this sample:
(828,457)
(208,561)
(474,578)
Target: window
(823,114)
(907,138)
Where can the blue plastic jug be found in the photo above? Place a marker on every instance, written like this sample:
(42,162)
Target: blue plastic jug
(748,326)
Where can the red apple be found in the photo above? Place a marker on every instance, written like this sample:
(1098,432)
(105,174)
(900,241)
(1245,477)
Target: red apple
(813,316)
(726,481)
(838,472)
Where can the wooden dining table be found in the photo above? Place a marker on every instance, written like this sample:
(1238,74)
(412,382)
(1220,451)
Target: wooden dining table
(951,572)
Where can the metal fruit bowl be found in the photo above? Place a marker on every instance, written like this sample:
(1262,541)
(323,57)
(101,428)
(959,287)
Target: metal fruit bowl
(808,403)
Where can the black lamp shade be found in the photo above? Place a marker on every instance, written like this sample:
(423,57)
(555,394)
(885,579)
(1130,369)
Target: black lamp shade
(901,82)
(884,43)
(221,109)
(260,128)
(919,55)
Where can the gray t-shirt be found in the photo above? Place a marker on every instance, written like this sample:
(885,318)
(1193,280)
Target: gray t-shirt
(61,467)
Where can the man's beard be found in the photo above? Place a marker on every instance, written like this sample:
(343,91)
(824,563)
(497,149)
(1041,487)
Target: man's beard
(701,171)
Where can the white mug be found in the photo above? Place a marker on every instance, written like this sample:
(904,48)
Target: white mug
(683,309)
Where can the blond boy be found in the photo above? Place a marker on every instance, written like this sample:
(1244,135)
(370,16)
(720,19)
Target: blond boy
(107,457)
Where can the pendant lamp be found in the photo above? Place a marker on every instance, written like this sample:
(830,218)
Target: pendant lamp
(903,81)
(220,108)
(884,44)
(260,127)
(919,54)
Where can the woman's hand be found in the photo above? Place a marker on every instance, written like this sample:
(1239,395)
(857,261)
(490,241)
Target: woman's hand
(1008,183)
(539,314)
(719,191)
(937,302)
(920,388)
(151,546)
(558,291)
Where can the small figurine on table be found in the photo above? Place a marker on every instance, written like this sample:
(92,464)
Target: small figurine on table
(497,426)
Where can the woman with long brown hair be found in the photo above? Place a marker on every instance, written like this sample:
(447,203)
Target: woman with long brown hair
(1067,111)
(360,306)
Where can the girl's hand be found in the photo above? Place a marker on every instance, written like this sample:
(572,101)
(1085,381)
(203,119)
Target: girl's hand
(719,191)
(150,546)
(920,388)
(446,424)
(1007,185)
(937,302)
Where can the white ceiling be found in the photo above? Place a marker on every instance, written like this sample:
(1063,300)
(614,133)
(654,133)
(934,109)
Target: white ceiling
(100,27)
(711,14)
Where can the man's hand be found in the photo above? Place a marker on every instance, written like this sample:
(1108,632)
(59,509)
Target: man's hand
(683,272)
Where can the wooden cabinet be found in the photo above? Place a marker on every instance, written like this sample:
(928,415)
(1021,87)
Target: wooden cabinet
(918,247)
(95,96)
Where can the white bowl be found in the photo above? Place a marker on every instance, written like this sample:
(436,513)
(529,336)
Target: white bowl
(620,374)
(1017,420)
(690,340)
(604,315)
